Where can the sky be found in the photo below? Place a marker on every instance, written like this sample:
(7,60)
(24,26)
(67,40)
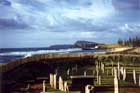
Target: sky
(41,23)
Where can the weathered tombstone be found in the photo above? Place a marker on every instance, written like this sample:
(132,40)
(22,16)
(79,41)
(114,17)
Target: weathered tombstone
(54,81)
(119,70)
(99,80)
(103,67)
(89,89)
(124,74)
(85,73)
(116,85)
(122,70)
(107,72)
(134,76)
(61,87)
(44,87)
(66,88)
(51,80)
(68,72)
(112,68)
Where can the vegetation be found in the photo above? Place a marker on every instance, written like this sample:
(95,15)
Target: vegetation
(109,46)
(132,41)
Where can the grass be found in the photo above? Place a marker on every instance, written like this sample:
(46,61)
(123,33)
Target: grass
(108,46)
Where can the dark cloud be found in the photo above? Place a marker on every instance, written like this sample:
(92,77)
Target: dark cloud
(125,5)
(61,20)
(5,2)
(11,24)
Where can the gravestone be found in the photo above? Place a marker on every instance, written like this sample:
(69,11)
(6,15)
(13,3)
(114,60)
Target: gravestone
(68,72)
(85,73)
(66,88)
(124,74)
(116,85)
(61,85)
(51,80)
(54,81)
(89,89)
(44,87)
(119,70)
(134,76)
(99,80)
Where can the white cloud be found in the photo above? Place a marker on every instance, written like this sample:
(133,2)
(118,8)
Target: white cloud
(59,20)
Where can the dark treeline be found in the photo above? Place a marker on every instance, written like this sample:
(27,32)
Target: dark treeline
(132,41)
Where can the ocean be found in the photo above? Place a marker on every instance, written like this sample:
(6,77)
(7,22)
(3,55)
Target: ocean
(11,54)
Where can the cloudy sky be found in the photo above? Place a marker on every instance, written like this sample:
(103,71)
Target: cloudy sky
(40,23)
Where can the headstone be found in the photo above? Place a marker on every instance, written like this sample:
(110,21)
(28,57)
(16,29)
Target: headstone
(68,72)
(85,73)
(122,70)
(61,87)
(134,76)
(51,80)
(112,68)
(119,70)
(88,88)
(116,85)
(54,81)
(66,88)
(103,67)
(124,74)
(112,71)
(44,87)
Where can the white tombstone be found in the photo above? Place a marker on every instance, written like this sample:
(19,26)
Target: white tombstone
(85,73)
(61,85)
(112,68)
(118,70)
(103,67)
(112,71)
(116,85)
(88,88)
(51,80)
(54,81)
(66,88)
(99,80)
(124,74)
(122,70)
(134,76)
(68,72)
(44,86)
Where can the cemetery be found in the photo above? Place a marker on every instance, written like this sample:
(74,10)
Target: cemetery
(90,74)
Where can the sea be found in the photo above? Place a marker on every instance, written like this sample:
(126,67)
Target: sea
(11,54)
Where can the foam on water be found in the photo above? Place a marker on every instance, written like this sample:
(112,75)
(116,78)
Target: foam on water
(30,53)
